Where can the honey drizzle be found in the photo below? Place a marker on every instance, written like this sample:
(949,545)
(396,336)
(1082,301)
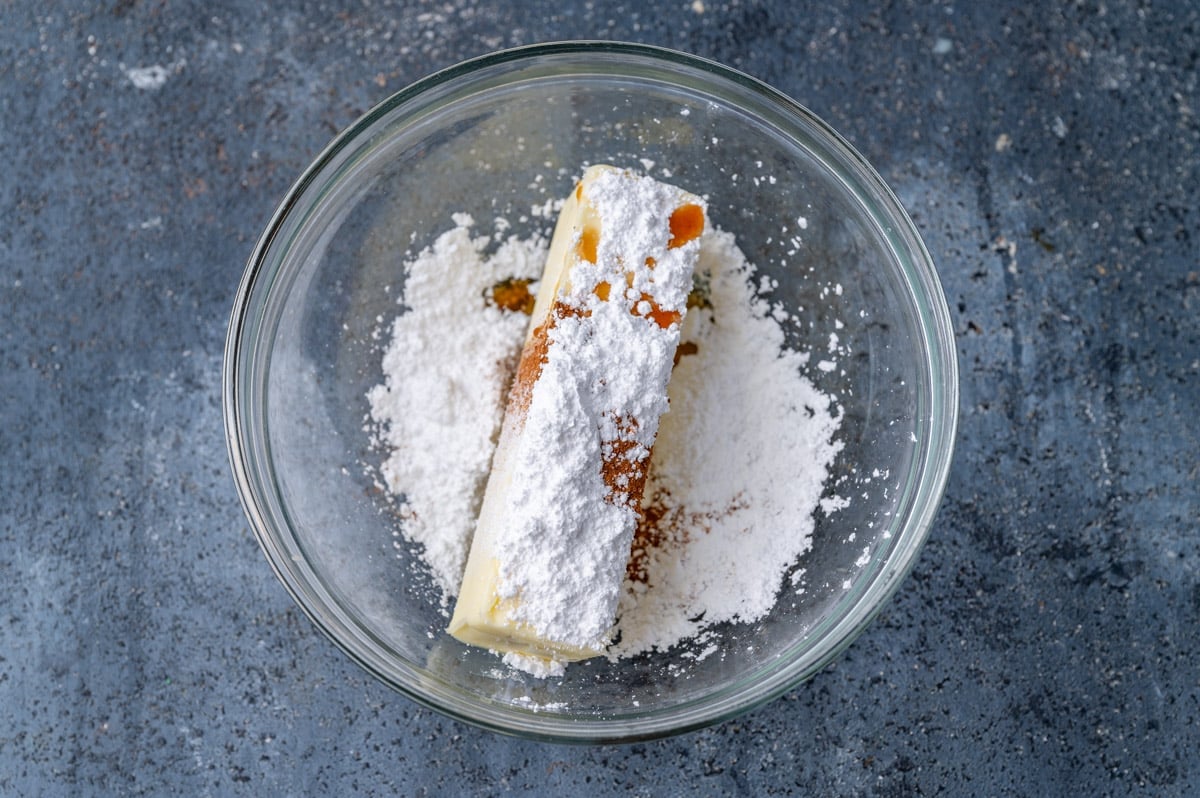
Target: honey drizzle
(513,295)
(684,349)
(589,241)
(686,223)
(663,318)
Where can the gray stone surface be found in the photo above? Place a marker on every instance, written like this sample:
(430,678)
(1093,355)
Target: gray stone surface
(1047,642)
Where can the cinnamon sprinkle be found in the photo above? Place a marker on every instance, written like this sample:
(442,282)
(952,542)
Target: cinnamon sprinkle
(533,357)
(663,525)
(535,354)
(623,471)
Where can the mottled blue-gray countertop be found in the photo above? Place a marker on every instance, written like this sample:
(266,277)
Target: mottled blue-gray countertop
(1048,641)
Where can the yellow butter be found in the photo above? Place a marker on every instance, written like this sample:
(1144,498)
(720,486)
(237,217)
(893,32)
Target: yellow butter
(482,617)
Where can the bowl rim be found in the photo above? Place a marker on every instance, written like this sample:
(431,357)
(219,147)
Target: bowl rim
(769,683)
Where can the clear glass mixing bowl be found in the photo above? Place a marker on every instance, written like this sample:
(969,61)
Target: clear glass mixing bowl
(484,138)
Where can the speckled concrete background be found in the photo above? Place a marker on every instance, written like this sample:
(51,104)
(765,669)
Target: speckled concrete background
(1047,642)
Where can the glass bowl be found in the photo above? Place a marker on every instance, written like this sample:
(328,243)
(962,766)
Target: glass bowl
(493,137)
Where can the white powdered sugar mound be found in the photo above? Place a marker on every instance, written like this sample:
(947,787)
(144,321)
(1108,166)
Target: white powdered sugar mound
(738,469)
(563,536)
(442,401)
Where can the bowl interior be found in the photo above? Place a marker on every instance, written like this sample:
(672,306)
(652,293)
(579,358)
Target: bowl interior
(492,139)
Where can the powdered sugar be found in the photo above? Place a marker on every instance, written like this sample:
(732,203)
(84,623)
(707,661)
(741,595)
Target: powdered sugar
(737,469)
(440,406)
(562,537)
(538,667)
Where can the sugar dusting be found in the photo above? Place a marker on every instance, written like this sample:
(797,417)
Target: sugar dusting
(574,445)
(439,409)
(538,667)
(737,470)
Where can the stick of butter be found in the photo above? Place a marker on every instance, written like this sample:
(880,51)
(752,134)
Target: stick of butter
(561,504)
